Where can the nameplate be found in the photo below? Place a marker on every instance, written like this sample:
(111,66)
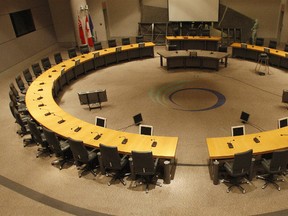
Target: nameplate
(118,49)
(244,45)
(62,71)
(141,45)
(96,54)
(77,62)
(193,54)
(185,37)
(266,50)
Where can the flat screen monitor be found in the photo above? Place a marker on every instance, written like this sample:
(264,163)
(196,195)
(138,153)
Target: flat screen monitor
(22,22)
(244,117)
(100,121)
(137,119)
(283,122)
(146,130)
(238,130)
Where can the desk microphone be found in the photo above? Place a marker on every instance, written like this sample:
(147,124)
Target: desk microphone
(76,129)
(256,140)
(154,143)
(41,83)
(48,112)
(41,103)
(60,121)
(40,97)
(283,134)
(125,140)
(98,136)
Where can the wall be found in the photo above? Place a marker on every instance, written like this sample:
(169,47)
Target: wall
(14,50)
(266,11)
(124,16)
(284,32)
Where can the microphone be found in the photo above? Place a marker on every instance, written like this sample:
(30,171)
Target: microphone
(256,140)
(125,140)
(98,136)
(154,143)
(46,114)
(283,134)
(41,103)
(60,121)
(76,129)
(40,97)
(230,145)
(40,89)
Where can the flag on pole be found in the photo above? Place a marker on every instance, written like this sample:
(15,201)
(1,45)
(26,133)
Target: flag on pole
(91,26)
(88,33)
(81,32)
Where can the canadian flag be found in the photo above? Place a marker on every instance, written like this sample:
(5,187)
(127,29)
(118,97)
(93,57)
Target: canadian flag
(81,32)
(88,33)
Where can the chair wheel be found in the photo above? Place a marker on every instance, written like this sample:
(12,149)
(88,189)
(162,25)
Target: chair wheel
(278,188)
(243,191)
(108,183)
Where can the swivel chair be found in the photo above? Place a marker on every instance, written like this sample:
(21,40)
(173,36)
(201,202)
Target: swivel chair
(46,64)
(139,39)
(125,41)
(259,42)
(275,166)
(39,138)
(112,43)
(97,46)
(83,156)
(36,69)
(272,44)
(286,48)
(110,160)
(20,84)
(58,58)
(61,148)
(145,166)
(28,76)
(84,49)
(19,98)
(20,107)
(238,168)
(72,52)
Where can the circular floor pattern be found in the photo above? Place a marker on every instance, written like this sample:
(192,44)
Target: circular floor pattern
(178,96)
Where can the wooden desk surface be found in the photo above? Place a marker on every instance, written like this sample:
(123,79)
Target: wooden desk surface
(200,53)
(280,53)
(269,142)
(205,38)
(166,146)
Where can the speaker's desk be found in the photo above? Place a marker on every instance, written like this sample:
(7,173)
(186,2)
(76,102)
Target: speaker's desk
(194,42)
(183,59)
(40,102)
(251,52)
(267,142)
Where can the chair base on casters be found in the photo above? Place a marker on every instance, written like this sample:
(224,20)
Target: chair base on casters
(270,179)
(117,176)
(61,162)
(86,168)
(147,181)
(43,151)
(236,183)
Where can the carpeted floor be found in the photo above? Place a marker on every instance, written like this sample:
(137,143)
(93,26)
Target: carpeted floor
(192,104)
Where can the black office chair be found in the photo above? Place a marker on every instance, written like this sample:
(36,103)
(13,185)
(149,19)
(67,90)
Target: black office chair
(20,84)
(125,41)
(97,46)
(286,48)
(275,166)
(110,160)
(28,76)
(139,39)
(238,169)
(22,122)
(36,69)
(272,44)
(58,58)
(84,49)
(46,64)
(20,107)
(112,43)
(145,166)
(83,156)
(61,148)
(39,138)
(259,42)
(19,98)
(72,52)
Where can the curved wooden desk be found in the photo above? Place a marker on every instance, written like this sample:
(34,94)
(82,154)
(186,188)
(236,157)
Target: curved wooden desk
(51,82)
(251,52)
(194,42)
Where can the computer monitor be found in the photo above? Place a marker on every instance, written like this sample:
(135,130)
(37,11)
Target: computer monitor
(244,117)
(146,130)
(283,122)
(137,119)
(238,130)
(100,121)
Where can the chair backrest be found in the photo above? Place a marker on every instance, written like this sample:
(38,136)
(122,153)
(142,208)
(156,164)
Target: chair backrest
(143,163)
(139,39)
(14,90)
(242,162)
(46,64)
(286,48)
(27,76)
(19,120)
(52,140)
(272,44)
(12,108)
(79,151)
(84,49)
(125,41)
(36,69)
(112,43)
(35,132)
(259,42)
(20,83)
(72,52)
(279,161)
(110,157)
(13,99)
(98,46)
(58,58)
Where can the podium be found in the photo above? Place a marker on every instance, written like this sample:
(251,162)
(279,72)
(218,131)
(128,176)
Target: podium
(93,98)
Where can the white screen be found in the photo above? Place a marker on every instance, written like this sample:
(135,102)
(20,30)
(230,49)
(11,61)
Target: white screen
(193,10)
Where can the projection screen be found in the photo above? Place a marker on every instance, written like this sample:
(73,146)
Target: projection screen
(193,10)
